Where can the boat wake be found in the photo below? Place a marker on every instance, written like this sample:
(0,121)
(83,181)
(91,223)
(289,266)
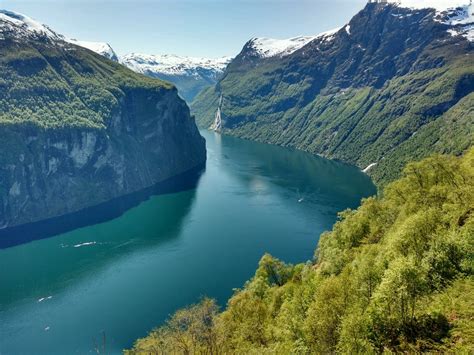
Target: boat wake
(44,299)
(84,244)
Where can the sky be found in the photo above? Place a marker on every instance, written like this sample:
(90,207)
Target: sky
(200,28)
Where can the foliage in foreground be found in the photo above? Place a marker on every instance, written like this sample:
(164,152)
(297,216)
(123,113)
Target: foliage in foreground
(394,275)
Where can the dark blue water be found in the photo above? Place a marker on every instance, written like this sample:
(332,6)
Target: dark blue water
(123,277)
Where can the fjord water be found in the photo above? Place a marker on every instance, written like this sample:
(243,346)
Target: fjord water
(120,278)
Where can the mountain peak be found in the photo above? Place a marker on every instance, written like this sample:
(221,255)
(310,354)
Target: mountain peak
(18,26)
(101,48)
(189,74)
(172,64)
(458,14)
(24,26)
(270,47)
(438,5)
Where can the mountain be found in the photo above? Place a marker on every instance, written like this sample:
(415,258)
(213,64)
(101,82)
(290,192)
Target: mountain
(189,74)
(78,129)
(271,47)
(393,85)
(102,48)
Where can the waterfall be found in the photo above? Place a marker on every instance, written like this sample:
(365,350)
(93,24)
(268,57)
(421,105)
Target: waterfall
(217,125)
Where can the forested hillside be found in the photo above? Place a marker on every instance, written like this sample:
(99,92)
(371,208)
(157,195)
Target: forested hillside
(392,86)
(397,274)
(77,129)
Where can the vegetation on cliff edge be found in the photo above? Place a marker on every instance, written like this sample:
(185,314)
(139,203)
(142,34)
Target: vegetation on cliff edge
(397,274)
(60,85)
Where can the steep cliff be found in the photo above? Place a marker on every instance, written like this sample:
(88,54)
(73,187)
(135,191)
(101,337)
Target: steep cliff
(77,129)
(393,85)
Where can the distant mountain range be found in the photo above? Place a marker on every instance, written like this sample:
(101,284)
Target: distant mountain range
(189,74)
(193,74)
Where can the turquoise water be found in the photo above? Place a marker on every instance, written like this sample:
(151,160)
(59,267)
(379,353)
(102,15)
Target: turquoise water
(123,277)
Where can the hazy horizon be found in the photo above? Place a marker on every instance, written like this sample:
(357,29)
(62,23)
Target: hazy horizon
(200,28)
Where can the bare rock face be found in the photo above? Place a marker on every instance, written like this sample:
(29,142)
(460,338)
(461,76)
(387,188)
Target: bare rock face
(60,171)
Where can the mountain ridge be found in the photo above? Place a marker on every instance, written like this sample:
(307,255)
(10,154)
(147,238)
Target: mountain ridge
(102,48)
(189,74)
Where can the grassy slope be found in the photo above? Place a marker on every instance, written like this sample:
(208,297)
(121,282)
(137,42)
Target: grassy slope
(397,274)
(54,85)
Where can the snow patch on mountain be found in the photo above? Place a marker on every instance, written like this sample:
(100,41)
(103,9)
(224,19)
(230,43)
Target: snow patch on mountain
(169,64)
(438,5)
(271,47)
(21,26)
(24,26)
(101,48)
(460,19)
(458,14)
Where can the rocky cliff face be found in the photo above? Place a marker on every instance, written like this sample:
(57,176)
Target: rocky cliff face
(77,129)
(60,171)
(393,85)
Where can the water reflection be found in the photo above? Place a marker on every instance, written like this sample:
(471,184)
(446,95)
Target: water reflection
(126,276)
(97,214)
(305,176)
(48,266)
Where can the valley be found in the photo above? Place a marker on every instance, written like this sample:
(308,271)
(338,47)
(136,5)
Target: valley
(274,187)
(252,198)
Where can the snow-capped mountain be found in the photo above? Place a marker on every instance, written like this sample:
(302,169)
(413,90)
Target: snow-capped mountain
(189,74)
(170,64)
(458,14)
(101,48)
(20,26)
(270,47)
